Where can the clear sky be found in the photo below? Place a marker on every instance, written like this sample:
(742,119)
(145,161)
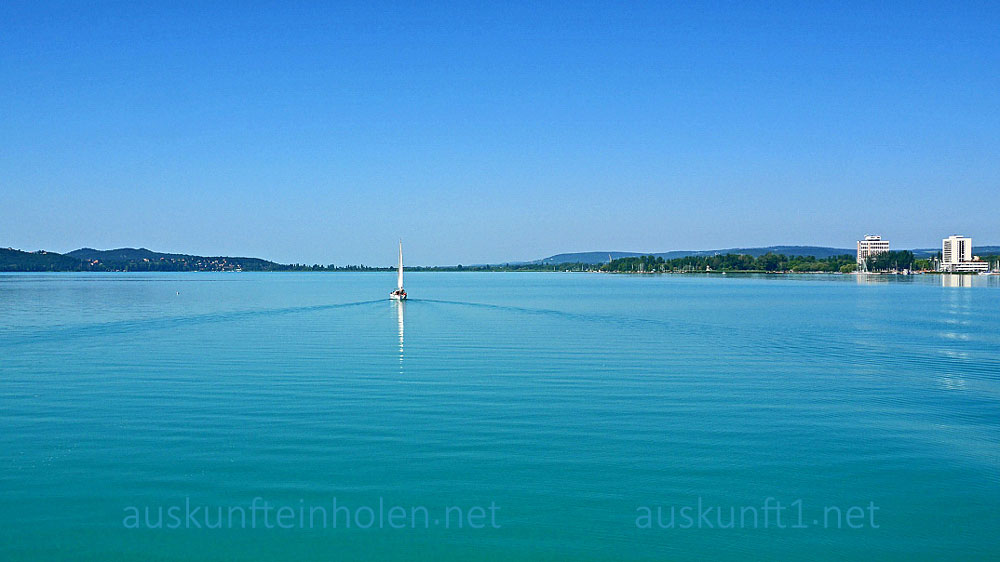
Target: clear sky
(322,133)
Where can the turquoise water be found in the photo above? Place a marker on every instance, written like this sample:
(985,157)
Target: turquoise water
(552,408)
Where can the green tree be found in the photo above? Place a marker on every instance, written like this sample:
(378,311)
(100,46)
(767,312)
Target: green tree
(887,261)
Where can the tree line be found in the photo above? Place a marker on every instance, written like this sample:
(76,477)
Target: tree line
(892,261)
(769,262)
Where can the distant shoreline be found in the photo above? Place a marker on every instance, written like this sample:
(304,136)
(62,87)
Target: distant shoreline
(127,260)
(472,270)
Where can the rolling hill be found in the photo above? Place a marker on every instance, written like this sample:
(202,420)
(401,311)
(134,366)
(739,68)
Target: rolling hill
(602,257)
(815,251)
(139,259)
(17,260)
(128,259)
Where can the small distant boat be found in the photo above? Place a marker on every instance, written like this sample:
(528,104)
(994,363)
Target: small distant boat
(399,294)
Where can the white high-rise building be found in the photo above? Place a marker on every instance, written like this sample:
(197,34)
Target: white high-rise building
(870,246)
(955,249)
(956,255)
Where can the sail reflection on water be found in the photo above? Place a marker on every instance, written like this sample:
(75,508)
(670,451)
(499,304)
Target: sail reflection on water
(400,307)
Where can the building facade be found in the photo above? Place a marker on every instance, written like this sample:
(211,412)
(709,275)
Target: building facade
(870,246)
(956,256)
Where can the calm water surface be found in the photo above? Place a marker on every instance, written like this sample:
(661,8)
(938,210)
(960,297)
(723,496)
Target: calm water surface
(569,402)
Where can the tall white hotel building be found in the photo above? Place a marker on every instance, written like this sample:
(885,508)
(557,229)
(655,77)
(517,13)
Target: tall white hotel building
(870,246)
(956,256)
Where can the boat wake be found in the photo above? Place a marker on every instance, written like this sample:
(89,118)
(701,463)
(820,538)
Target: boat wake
(127,326)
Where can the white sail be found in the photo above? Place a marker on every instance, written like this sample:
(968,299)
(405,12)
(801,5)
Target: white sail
(399,275)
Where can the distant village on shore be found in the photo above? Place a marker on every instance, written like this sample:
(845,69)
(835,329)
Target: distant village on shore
(874,256)
(955,256)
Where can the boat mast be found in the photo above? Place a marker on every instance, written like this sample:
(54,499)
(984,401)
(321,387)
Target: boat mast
(399,276)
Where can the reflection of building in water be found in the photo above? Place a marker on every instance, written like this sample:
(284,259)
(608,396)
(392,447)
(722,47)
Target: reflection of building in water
(956,256)
(957,280)
(871,279)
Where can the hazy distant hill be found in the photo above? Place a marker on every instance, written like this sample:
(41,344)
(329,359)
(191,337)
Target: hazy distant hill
(586,257)
(16,260)
(141,259)
(602,257)
(122,254)
(815,251)
(129,259)
(976,251)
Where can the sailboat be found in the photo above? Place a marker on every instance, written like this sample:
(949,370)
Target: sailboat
(399,294)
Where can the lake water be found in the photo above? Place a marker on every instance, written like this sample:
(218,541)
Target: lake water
(545,412)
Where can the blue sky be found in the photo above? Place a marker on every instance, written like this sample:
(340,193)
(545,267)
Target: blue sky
(506,131)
